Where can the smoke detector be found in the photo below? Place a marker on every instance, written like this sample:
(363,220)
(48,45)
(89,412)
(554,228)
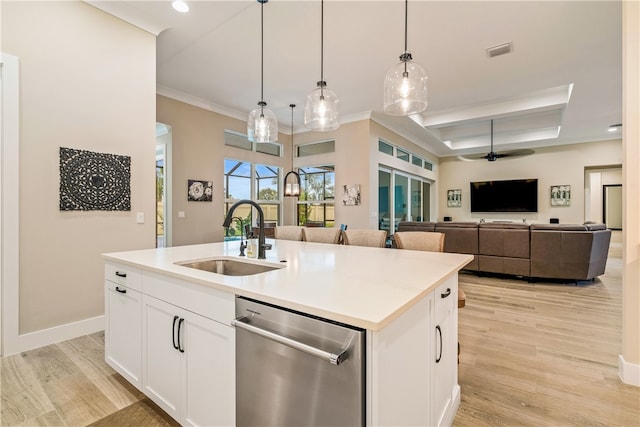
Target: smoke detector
(500,49)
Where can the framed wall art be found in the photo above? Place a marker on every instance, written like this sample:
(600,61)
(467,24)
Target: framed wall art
(199,191)
(454,198)
(94,181)
(351,195)
(560,195)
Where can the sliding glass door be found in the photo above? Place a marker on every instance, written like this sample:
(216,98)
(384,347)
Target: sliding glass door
(401,197)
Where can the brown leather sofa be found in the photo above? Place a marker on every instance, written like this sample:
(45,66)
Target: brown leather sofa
(569,251)
(548,251)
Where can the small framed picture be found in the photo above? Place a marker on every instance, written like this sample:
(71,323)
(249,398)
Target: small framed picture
(560,195)
(351,195)
(454,198)
(199,191)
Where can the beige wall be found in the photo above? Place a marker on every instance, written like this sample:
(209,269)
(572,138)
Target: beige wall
(560,165)
(351,165)
(87,81)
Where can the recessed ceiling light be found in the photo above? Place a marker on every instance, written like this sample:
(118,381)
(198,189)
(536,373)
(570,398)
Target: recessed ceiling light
(180,6)
(614,128)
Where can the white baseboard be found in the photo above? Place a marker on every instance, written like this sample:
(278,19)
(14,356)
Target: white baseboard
(60,333)
(628,372)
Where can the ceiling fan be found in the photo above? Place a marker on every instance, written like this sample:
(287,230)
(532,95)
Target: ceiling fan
(492,156)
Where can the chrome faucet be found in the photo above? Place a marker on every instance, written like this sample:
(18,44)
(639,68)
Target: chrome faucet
(262,246)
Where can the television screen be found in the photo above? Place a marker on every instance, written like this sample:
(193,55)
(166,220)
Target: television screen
(516,195)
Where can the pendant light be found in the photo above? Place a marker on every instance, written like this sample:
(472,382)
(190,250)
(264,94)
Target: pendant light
(292,185)
(405,85)
(321,109)
(262,125)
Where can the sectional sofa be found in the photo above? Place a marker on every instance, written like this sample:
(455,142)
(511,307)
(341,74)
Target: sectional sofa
(545,251)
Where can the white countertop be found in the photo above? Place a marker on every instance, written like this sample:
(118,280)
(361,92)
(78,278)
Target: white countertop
(360,286)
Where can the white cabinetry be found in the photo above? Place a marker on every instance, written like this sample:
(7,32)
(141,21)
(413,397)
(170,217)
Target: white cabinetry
(412,364)
(189,364)
(445,377)
(123,315)
(172,339)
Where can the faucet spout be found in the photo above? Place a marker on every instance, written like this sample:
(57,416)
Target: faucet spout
(262,246)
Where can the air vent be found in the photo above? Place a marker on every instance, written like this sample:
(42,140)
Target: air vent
(500,49)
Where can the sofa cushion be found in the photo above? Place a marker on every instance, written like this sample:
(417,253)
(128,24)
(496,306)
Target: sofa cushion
(416,226)
(507,240)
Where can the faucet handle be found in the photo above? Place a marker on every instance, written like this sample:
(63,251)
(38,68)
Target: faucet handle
(266,246)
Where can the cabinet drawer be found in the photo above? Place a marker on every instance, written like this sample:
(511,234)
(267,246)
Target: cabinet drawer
(446,294)
(123,275)
(203,300)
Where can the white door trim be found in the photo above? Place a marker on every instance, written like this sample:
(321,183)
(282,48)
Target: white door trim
(9,204)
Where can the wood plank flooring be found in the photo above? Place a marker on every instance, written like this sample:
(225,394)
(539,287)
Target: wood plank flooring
(533,354)
(544,354)
(64,384)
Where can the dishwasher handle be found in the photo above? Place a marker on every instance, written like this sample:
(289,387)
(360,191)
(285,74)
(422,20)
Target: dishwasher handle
(334,359)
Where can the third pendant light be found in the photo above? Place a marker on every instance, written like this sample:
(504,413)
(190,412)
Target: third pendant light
(321,108)
(405,85)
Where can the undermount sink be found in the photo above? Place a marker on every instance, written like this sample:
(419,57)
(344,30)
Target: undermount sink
(228,267)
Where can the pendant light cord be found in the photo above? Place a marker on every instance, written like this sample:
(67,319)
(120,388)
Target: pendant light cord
(292,107)
(261,56)
(406,20)
(406,25)
(322,84)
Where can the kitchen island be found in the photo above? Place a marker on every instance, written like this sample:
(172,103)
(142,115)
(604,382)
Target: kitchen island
(405,300)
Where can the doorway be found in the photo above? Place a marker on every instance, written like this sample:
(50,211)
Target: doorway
(163,185)
(612,206)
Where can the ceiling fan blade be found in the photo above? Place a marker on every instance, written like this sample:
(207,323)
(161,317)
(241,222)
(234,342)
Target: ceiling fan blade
(493,156)
(516,153)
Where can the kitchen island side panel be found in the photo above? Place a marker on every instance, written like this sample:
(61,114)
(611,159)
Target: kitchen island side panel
(399,369)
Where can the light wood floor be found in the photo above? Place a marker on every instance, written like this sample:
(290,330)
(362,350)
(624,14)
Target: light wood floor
(544,354)
(533,354)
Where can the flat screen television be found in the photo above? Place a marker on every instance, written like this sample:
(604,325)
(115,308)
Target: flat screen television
(514,195)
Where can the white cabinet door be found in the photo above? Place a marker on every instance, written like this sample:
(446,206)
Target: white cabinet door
(123,331)
(209,382)
(445,354)
(161,356)
(189,364)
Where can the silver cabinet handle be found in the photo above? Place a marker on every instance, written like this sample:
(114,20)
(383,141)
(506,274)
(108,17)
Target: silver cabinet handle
(334,359)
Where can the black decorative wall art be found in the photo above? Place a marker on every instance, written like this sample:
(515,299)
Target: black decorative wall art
(94,181)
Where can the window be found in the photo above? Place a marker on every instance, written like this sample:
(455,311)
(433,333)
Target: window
(243,180)
(385,148)
(317,195)
(390,149)
(402,155)
(316,148)
(237,140)
(267,192)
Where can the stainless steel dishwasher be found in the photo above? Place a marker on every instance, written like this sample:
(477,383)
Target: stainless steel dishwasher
(294,369)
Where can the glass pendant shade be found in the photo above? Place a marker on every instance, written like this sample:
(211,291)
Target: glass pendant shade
(262,125)
(405,88)
(321,109)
